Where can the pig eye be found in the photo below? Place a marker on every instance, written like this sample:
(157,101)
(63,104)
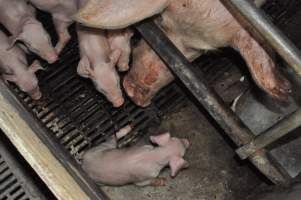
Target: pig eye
(6,70)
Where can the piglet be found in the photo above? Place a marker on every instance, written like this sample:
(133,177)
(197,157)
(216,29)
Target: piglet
(62,12)
(141,166)
(14,68)
(121,40)
(98,63)
(19,19)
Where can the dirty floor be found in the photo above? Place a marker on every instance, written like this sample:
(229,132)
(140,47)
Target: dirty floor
(214,173)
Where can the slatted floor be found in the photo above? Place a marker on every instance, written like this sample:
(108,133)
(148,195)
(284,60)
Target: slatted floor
(79,117)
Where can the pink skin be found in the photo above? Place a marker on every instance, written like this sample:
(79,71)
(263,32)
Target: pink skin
(98,63)
(138,165)
(62,12)
(19,18)
(195,27)
(14,68)
(147,75)
(121,40)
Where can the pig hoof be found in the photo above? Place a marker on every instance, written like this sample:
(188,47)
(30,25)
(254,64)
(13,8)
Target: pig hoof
(123,67)
(159,182)
(280,88)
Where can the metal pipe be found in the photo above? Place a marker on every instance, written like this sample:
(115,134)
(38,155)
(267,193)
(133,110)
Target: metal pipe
(281,129)
(258,21)
(224,116)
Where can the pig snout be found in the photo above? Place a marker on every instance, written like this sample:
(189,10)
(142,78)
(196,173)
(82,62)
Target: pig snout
(113,94)
(35,94)
(116,97)
(51,57)
(117,101)
(186,143)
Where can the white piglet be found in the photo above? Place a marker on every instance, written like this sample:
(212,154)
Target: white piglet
(141,166)
(19,18)
(62,12)
(14,68)
(98,63)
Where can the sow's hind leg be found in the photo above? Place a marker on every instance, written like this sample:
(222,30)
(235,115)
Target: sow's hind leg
(262,66)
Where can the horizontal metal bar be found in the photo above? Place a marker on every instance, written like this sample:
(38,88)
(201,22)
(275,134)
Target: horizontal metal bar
(278,131)
(225,117)
(258,21)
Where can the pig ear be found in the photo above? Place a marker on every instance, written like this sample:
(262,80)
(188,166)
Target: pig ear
(176,163)
(35,66)
(160,140)
(84,67)
(13,40)
(118,14)
(114,56)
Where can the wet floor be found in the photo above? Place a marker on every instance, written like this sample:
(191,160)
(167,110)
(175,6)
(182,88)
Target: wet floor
(214,173)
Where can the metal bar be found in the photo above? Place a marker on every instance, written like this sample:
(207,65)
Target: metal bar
(224,116)
(258,21)
(278,131)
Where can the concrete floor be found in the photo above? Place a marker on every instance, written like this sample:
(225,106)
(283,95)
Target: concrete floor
(214,173)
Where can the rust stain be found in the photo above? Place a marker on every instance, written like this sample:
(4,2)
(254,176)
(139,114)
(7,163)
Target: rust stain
(152,75)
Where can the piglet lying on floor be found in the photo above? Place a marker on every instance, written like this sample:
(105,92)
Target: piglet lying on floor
(108,165)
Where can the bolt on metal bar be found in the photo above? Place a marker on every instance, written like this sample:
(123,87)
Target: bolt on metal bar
(281,129)
(258,21)
(224,116)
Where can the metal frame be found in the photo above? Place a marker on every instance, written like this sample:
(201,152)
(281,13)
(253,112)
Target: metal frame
(251,147)
(247,11)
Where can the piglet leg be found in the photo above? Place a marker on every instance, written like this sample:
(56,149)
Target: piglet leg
(159,181)
(63,34)
(155,182)
(261,66)
(111,143)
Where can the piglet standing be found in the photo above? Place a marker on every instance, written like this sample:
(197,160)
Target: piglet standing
(14,68)
(98,63)
(139,165)
(62,12)
(19,19)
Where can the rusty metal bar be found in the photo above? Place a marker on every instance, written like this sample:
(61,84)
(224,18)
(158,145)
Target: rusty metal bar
(247,11)
(224,116)
(278,131)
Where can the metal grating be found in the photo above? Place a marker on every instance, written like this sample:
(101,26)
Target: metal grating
(16,179)
(10,187)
